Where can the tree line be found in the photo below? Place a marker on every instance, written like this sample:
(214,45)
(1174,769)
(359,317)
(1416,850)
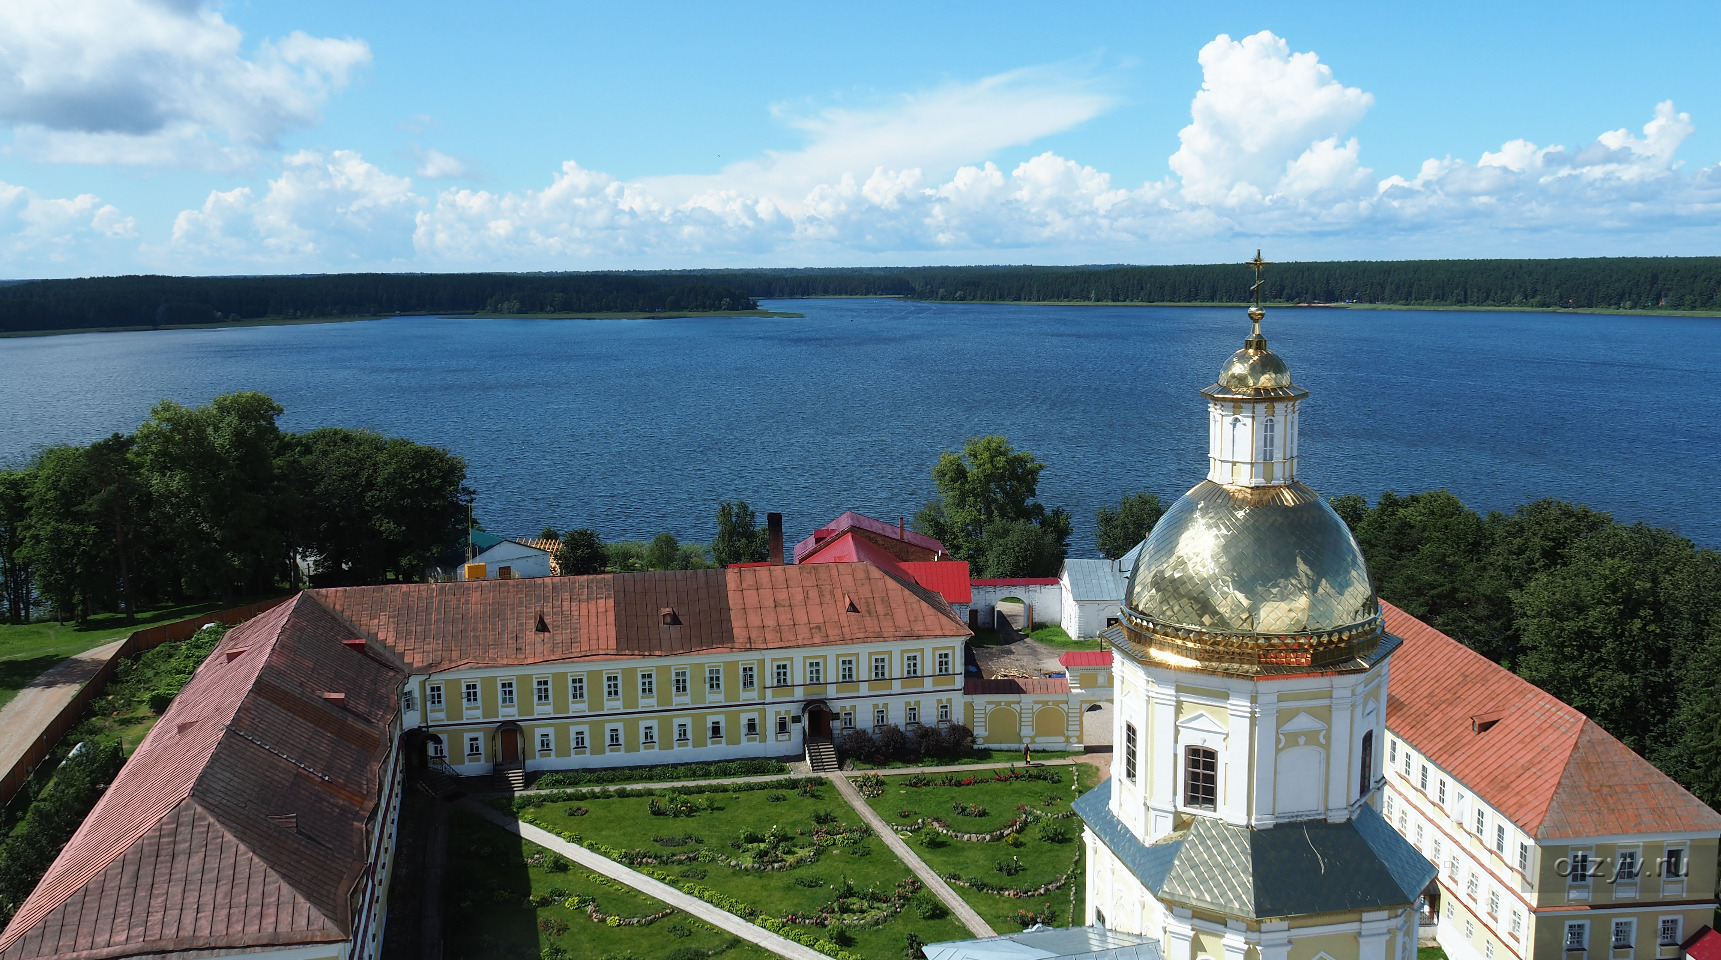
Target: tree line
(215,501)
(1614,283)
(151,301)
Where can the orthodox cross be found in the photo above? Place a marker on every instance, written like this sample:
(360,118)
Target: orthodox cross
(1257,265)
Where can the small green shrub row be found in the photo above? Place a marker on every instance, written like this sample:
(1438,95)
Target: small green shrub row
(53,818)
(531,801)
(755,767)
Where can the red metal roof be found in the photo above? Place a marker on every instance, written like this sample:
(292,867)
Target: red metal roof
(1008,685)
(1705,944)
(1016,582)
(948,577)
(1086,658)
(185,852)
(1540,762)
(918,542)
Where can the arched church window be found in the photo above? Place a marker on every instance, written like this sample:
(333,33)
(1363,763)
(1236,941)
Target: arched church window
(1238,439)
(1267,441)
(1201,778)
(1365,775)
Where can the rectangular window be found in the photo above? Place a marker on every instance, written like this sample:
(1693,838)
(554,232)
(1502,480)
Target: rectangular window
(1488,950)
(612,686)
(434,695)
(815,671)
(1670,932)
(1419,836)
(848,719)
(1517,923)
(1402,815)
(1627,865)
(1392,751)
(1624,934)
(1200,778)
(437,750)
(469,692)
(408,702)
(1422,778)
(577,688)
(779,675)
(541,689)
(944,713)
(911,665)
(1435,855)
(1389,806)
(545,742)
(615,738)
(1580,866)
(1493,903)
(713,679)
(1129,744)
(1523,857)
(880,717)
(846,670)
(474,747)
(681,681)
(681,729)
(648,734)
(783,722)
(647,684)
(716,730)
(579,739)
(1673,862)
(1471,885)
(1452,868)
(1481,821)
(507,689)
(943,662)
(880,668)
(1440,792)
(752,726)
(1577,935)
(1500,839)
(912,715)
(747,676)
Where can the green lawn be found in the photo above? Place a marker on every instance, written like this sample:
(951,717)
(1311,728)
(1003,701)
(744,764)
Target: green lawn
(978,755)
(1041,857)
(1053,635)
(27,649)
(1430,953)
(507,898)
(849,878)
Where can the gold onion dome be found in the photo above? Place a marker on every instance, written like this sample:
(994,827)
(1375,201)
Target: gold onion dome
(1252,579)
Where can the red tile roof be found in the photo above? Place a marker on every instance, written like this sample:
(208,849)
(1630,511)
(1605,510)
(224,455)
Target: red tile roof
(1538,761)
(440,626)
(1009,685)
(948,577)
(1086,658)
(181,852)
(1705,944)
(912,545)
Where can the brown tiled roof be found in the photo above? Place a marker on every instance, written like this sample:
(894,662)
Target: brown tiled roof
(439,626)
(1541,763)
(1009,685)
(182,854)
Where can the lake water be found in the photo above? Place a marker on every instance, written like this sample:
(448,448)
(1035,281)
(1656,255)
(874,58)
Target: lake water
(637,426)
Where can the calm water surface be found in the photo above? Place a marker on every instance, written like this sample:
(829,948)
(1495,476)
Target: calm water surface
(638,426)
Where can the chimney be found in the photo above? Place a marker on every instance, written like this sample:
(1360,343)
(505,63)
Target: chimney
(774,521)
(901,533)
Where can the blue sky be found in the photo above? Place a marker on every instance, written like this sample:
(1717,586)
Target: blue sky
(263,137)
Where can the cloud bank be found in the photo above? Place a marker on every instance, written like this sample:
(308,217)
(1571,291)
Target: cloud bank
(1270,156)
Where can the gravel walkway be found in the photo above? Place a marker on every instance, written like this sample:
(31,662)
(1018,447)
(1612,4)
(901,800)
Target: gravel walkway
(721,919)
(958,906)
(24,719)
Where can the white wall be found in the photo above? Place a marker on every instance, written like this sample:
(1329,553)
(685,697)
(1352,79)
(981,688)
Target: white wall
(1047,601)
(526,561)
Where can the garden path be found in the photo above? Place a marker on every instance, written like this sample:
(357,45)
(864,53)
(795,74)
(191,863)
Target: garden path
(721,919)
(26,718)
(935,883)
(795,770)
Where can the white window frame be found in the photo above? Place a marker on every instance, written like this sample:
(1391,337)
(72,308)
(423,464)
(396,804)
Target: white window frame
(1131,742)
(469,693)
(944,661)
(1481,821)
(911,665)
(1392,752)
(714,680)
(648,734)
(408,701)
(1440,795)
(748,681)
(782,724)
(613,739)
(1630,926)
(541,691)
(881,667)
(683,731)
(1517,929)
(648,684)
(750,725)
(474,747)
(577,688)
(546,741)
(579,739)
(1523,858)
(714,730)
(1500,839)
(846,670)
(1582,941)
(680,684)
(848,715)
(1493,903)
(816,671)
(433,696)
(782,674)
(1422,778)
(944,713)
(911,713)
(612,686)
(505,693)
(880,716)
(1661,937)
(438,748)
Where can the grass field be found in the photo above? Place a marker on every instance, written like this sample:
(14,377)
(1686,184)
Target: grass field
(509,899)
(1048,848)
(1049,634)
(27,649)
(977,756)
(849,878)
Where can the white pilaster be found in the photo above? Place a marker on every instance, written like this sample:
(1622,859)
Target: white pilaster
(1266,757)
(1178,935)
(1239,761)
(1162,733)
(1341,770)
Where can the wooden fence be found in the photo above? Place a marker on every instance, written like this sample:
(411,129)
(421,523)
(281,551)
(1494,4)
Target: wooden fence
(146,639)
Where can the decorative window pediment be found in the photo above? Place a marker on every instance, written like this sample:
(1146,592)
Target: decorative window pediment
(1301,729)
(1200,729)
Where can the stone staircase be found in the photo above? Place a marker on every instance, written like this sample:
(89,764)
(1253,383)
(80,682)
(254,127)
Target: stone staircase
(510,777)
(821,755)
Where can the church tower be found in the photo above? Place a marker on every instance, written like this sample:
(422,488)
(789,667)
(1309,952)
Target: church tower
(1240,820)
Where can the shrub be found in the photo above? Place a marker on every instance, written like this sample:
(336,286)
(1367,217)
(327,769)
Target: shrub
(53,818)
(912,948)
(892,743)
(553,926)
(553,952)
(958,741)
(555,863)
(776,797)
(1054,832)
(158,701)
(1008,868)
(929,908)
(964,809)
(1013,840)
(857,744)
(822,817)
(753,767)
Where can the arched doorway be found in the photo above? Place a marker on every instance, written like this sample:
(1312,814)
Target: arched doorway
(817,719)
(508,744)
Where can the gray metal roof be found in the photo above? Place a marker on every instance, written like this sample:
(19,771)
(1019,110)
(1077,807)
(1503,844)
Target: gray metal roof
(1292,869)
(1096,580)
(1088,943)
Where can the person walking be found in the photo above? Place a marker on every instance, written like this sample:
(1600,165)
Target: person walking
(1027,755)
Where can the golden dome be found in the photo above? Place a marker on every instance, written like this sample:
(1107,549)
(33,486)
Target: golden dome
(1254,372)
(1237,579)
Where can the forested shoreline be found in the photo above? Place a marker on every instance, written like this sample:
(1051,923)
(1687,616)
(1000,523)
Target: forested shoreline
(1602,283)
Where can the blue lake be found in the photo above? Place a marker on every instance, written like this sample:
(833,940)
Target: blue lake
(637,426)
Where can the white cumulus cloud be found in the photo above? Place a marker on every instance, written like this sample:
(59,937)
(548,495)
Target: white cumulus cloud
(47,230)
(157,83)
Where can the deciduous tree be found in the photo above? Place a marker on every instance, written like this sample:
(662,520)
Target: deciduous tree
(1120,530)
